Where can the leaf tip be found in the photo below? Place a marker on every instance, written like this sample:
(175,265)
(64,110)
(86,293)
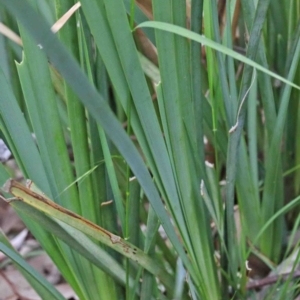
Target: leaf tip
(7,186)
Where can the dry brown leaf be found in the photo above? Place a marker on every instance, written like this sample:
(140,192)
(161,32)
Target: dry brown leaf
(9,221)
(146,47)
(14,286)
(10,34)
(6,290)
(6,31)
(146,7)
(66,291)
(63,20)
(45,266)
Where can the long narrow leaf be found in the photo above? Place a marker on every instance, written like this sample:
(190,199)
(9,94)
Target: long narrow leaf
(209,43)
(44,204)
(97,107)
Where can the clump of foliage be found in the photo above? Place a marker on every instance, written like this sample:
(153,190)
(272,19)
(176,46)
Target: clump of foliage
(116,107)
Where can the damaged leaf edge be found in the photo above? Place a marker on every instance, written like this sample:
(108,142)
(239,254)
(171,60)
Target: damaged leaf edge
(33,197)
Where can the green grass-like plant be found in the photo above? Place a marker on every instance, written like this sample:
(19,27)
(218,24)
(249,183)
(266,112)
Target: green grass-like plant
(109,136)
